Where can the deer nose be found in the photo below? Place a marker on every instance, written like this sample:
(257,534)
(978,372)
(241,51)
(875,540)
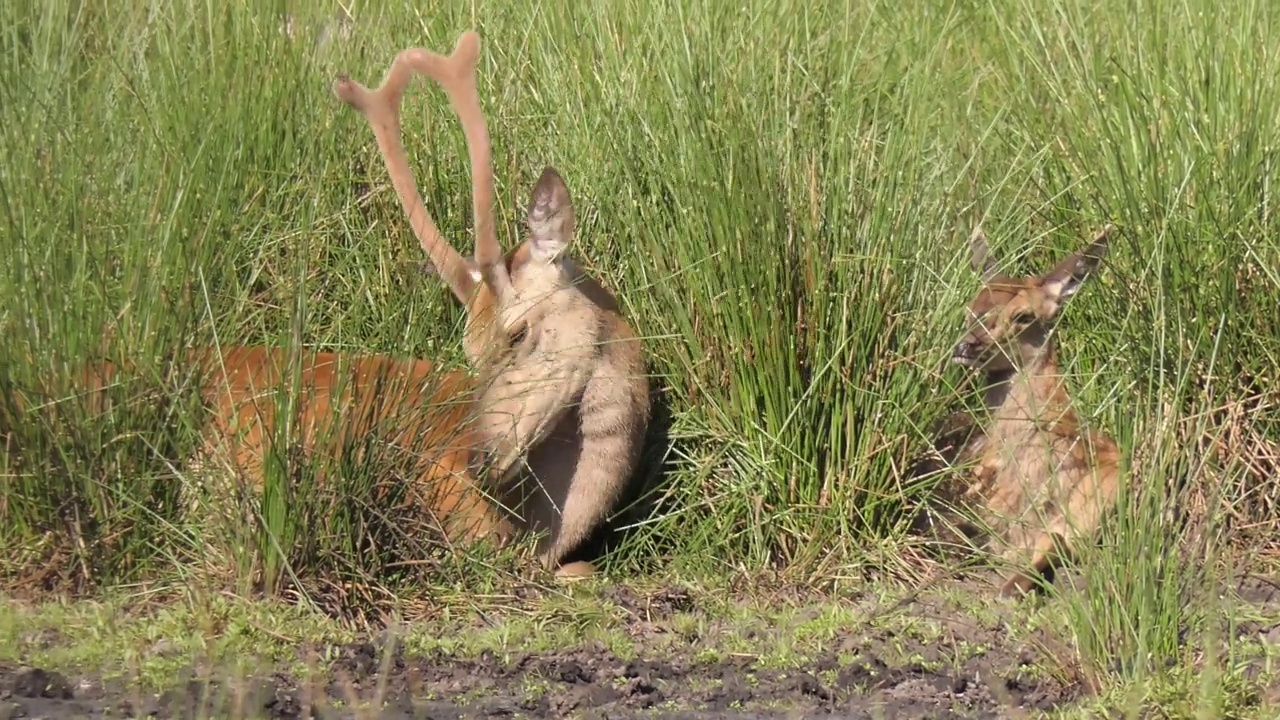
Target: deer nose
(965,352)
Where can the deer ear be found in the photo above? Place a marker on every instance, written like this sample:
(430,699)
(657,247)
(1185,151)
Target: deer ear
(1065,279)
(983,263)
(551,219)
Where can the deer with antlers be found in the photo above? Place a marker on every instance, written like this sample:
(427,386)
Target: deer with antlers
(579,431)
(417,416)
(1043,481)
(563,398)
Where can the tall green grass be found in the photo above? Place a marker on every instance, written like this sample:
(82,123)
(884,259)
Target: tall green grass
(778,191)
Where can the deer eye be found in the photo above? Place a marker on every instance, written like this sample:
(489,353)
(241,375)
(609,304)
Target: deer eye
(1026,317)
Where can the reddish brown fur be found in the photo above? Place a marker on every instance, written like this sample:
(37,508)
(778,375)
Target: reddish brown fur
(1045,483)
(406,403)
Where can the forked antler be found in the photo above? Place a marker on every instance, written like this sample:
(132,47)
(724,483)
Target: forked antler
(456,74)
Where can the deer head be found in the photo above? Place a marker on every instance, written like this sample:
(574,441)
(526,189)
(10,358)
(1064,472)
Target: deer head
(1010,318)
(480,281)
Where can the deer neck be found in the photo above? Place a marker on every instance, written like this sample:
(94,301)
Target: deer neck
(1031,394)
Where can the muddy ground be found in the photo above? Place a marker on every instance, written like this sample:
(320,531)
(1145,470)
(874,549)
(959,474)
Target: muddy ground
(585,683)
(970,671)
(861,674)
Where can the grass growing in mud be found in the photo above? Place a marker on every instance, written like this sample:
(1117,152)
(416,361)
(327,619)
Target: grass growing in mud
(628,648)
(779,193)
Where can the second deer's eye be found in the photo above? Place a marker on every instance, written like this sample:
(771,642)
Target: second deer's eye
(1026,317)
(519,335)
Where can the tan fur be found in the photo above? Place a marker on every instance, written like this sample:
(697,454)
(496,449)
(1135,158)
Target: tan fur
(1044,481)
(557,354)
(422,414)
(547,330)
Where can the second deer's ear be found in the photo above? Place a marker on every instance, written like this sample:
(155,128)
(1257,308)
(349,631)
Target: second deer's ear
(1065,279)
(983,263)
(551,218)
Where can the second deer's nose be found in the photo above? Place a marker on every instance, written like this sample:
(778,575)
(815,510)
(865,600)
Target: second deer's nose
(964,352)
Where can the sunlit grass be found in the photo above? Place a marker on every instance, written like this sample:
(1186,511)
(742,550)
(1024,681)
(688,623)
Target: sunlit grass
(779,192)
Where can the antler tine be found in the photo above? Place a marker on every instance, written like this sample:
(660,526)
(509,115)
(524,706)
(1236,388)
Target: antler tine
(456,74)
(381,108)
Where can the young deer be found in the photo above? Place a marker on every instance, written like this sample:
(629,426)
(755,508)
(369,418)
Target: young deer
(1045,482)
(562,372)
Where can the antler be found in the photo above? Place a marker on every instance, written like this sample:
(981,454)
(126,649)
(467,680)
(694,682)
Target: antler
(456,74)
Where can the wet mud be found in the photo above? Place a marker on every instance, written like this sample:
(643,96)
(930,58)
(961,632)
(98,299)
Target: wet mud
(864,674)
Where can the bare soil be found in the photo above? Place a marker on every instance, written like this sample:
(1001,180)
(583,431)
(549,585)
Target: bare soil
(971,672)
(588,683)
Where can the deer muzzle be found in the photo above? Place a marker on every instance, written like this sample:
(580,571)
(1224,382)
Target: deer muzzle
(966,353)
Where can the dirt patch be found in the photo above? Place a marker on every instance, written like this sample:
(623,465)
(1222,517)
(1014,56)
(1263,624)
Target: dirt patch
(965,671)
(589,682)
